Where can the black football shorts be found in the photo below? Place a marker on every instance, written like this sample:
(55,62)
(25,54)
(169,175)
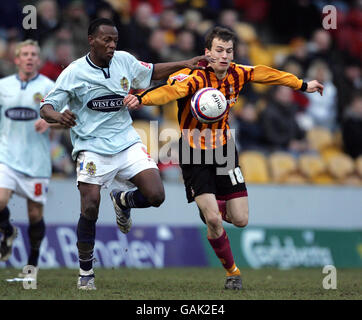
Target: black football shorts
(212,172)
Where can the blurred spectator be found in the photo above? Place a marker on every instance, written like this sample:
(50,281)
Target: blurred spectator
(169,22)
(158,48)
(255,11)
(11,17)
(248,129)
(298,55)
(229,18)
(139,31)
(77,20)
(241,56)
(349,30)
(289,19)
(348,81)
(278,120)
(62,57)
(352,127)
(192,21)
(322,110)
(7,66)
(48,21)
(320,47)
(156,5)
(184,47)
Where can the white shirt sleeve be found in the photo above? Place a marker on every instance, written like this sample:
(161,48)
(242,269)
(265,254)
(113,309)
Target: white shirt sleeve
(60,95)
(141,73)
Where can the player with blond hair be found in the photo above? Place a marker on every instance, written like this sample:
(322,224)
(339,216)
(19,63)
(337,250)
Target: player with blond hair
(25,161)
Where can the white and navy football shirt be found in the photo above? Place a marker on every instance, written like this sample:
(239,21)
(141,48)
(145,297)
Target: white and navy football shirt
(21,147)
(95,95)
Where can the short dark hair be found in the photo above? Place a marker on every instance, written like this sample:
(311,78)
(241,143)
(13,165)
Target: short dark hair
(94,25)
(224,34)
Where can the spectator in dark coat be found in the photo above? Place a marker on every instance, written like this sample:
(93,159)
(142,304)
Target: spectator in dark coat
(278,120)
(352,127)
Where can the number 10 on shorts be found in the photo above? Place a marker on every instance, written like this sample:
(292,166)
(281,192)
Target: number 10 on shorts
(236,176)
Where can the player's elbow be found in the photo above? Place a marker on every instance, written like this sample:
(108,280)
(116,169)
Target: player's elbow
(42,113)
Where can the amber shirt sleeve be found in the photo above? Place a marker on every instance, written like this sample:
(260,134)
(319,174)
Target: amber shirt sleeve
(266,75)
(178,86)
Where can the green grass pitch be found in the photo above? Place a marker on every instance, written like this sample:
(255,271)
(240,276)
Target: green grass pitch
(184,284)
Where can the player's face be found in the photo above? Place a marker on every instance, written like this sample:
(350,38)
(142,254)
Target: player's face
(104,42)
(222,52)
(28,60)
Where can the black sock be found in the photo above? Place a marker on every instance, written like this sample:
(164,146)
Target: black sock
(5,225)
(135,199)
(86,233)
(36,233)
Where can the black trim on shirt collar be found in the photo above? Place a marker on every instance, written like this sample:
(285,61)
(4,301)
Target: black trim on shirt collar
(106,75)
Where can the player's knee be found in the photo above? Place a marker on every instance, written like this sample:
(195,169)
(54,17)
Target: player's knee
(91,211)
(241,221)
(214,221)
(156,198)
(3,204)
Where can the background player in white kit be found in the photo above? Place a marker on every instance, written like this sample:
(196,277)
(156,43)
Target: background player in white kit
(106,146)
(25,162)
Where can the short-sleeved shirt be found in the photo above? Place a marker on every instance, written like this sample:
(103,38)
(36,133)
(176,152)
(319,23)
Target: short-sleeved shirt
(95,95)
(21,147)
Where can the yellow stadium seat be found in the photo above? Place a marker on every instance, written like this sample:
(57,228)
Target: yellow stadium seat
(330,152)
(295,178)
(319,138)
(340,166)
(323,178)
(352,180)
(254,167)
(281,165)
(311,165)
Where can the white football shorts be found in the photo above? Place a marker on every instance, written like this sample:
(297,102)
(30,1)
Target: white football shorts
(35,189)
(119,168)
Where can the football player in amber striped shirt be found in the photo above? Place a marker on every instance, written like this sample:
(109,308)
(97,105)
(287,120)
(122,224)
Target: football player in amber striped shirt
(218,196)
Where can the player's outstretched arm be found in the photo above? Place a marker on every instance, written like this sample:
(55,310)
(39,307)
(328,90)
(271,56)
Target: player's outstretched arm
(163,70)
(65,118)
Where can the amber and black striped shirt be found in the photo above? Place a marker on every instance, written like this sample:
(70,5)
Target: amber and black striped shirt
(182,85)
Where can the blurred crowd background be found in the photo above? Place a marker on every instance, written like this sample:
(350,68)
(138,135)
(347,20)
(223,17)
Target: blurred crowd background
(284,136)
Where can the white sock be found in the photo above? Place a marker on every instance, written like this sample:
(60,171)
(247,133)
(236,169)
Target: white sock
(86,273)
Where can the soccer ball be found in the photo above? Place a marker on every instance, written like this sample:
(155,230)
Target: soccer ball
(208,105)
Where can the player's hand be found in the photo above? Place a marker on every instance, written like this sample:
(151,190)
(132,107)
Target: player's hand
(131,102)
(199,62)
(313,86)
(41,126)
(66,118)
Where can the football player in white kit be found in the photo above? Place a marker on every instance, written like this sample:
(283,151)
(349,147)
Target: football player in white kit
(25,162)
(106,146)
